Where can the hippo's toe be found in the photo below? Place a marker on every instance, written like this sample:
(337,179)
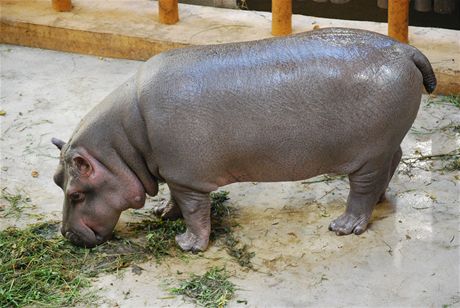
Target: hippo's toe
(349,223)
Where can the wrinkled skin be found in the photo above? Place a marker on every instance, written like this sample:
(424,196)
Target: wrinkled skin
(89,187)
(284,109)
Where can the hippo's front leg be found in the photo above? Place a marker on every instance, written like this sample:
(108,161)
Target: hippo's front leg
(196,210)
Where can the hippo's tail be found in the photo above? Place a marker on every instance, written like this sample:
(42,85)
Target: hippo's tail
(422,63)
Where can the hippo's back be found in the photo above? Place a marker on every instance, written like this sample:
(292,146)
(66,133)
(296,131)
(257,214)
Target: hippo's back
(275,62)
(266,74)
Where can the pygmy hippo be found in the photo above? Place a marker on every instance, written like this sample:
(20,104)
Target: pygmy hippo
(280,109)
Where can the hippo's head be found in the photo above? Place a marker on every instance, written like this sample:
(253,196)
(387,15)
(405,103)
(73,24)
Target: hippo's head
(94,195)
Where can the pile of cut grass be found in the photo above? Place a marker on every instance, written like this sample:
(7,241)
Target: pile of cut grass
(159,236)
(218,206)
(212,289)
(220,215)
(40,268)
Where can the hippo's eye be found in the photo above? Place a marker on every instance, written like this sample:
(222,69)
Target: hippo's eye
(77,196)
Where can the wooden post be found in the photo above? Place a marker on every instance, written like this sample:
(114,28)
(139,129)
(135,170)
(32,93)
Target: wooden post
(62,5)
(398,20)
(168,11)
(281,17)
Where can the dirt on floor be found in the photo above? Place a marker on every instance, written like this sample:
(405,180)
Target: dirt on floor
(409,256)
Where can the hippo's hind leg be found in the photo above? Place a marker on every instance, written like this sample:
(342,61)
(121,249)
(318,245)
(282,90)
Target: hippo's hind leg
(367,185)
(168,210)
(196,210)
(394,165)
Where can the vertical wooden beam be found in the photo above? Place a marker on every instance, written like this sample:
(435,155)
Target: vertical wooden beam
(281,17)
(62,5)
(398,20)
(168,11)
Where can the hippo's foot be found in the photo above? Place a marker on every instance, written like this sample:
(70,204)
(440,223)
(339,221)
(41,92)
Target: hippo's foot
(367,187)
(349,223)
(196,208)
(191,242)
(168,210)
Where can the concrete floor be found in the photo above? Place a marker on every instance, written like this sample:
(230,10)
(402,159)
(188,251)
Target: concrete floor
(410,255)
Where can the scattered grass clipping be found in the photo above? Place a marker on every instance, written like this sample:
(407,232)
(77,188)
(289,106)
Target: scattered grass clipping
(222,228)
(453,99)
(213,289)
(240,252)
(40,268)
(450,162)
(160,236)
(15,203)
(220,214)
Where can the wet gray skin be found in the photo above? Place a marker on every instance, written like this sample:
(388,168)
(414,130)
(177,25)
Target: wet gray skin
(92,203)
(281,109)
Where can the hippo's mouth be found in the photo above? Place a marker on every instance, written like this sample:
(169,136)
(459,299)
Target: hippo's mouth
(87,241)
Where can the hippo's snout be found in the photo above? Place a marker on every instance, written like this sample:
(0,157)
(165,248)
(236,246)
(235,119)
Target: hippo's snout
(75,239)
(80,240)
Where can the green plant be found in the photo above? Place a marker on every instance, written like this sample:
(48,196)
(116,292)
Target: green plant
(212,289)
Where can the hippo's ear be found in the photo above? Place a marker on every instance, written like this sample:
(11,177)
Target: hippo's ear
(83,165)
(58,143)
